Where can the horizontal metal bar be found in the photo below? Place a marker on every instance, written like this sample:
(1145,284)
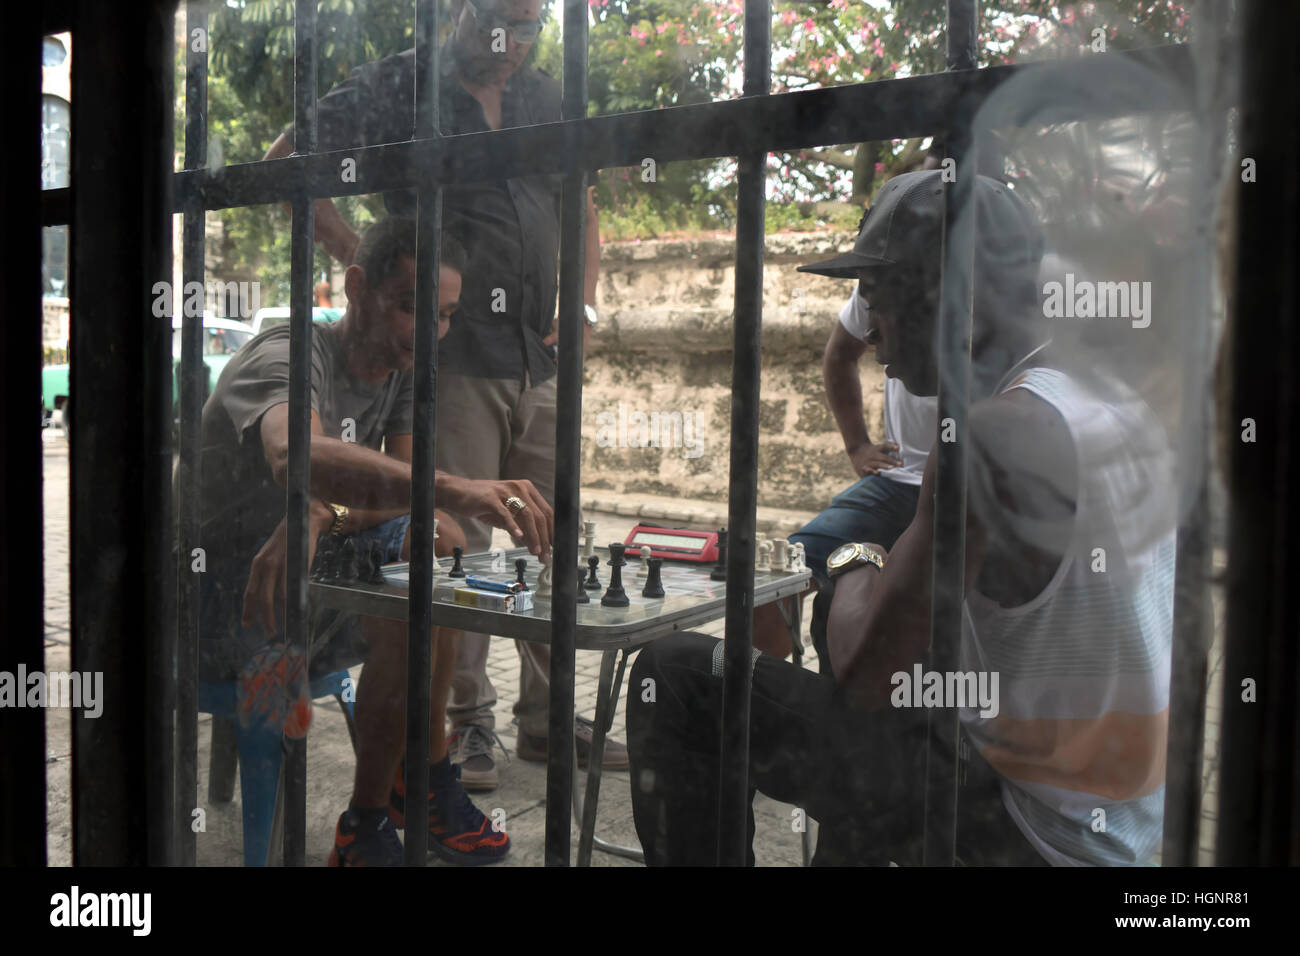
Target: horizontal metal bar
(887,109)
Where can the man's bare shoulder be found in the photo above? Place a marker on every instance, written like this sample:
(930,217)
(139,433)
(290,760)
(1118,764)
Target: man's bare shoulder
(1024,454)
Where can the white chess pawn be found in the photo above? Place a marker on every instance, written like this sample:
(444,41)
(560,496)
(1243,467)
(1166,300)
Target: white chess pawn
(797,562)
(544,581)
(436,566)
(588,539)
(764,555)
(780,555)
(645,561)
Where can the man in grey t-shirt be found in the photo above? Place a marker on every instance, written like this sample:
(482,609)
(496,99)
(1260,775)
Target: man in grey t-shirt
(361,399)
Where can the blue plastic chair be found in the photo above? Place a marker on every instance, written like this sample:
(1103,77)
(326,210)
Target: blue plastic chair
(258,752)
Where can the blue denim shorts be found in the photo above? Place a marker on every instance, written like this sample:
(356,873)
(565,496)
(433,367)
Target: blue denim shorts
(225,645)
(874,509)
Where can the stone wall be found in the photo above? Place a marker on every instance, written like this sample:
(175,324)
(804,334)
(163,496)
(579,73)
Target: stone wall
(660,365)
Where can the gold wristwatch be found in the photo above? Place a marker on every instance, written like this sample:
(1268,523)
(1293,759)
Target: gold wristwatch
(853,555)
(340,518)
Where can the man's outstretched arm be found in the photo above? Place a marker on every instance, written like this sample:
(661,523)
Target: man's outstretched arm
(332,230)
(350,474)
(844,396)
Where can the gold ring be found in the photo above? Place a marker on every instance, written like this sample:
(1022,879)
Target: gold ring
(515,505)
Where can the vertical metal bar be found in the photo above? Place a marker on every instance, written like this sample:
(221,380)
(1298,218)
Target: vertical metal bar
(299,483)
(423,455)
(962,35)
(191,409)
(939,844)
(568,447)
(123,575)
(1193,610)
(1259,803)
(737,677)
(22,564)
(956,302)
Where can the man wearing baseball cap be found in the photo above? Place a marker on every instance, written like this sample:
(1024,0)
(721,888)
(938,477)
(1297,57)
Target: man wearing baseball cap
(1072,666)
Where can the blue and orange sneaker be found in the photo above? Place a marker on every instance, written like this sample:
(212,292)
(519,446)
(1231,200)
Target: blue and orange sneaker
(365,839)
(458,832)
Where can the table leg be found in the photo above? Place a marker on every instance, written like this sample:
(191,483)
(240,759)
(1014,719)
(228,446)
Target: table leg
(794,622)
(585,810)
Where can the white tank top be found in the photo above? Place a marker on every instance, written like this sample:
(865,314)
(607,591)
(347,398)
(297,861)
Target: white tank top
(1080,736)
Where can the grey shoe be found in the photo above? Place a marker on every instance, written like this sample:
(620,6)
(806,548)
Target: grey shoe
(471,747)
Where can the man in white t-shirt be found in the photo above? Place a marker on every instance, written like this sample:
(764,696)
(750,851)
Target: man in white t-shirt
(882,502)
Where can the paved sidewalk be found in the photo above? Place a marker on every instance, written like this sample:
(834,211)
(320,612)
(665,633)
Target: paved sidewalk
(522,791)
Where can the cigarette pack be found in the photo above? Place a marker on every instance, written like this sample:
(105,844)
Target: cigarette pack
(493,600)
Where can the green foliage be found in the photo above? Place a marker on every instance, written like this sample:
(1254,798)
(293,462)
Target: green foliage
(650,55)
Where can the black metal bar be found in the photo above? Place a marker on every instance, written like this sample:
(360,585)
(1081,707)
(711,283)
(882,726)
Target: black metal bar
(1193,610)
(902,108)
(299,479)
(22,565)
(939,845)
(962,35)
(947,592)
(188,505)
(733,788)
(424,427)
(123,574)
(1259,804)
(568,447)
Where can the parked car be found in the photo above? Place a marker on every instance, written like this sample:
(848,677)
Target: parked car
(275,315)
(222,338)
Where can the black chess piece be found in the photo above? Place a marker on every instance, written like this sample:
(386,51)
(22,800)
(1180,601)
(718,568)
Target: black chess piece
(457,571)
(376,563)
(719,572)
(348,563)
(331,565)
(583,597)
(521,565)
(364,557)
(593,582)
(654,585)
(614,595)
(322,567)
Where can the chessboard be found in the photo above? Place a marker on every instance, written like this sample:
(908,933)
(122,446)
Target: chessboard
(691,598)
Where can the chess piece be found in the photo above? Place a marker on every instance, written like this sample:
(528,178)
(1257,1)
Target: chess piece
(797,562)
(593,582)
(325,567)
(376,563)
(363,561)
(348,563)
(544,581)
(521,565)
(588,539)
(765,556)
(457,571)
(759,541)
(719,572)
(645,562)
(583,596)
(654,586)
(614,595)
(780,555)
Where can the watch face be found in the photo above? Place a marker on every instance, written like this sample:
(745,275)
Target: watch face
(840,555)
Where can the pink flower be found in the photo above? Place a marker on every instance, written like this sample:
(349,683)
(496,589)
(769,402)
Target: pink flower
(661,28)
(659,52)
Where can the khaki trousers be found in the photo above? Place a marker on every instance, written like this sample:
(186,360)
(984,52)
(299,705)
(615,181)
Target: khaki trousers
(496,429)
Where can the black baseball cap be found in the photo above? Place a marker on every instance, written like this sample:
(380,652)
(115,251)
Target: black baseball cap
(904,226)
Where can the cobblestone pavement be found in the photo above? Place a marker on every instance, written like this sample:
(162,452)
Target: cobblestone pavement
(522,791)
